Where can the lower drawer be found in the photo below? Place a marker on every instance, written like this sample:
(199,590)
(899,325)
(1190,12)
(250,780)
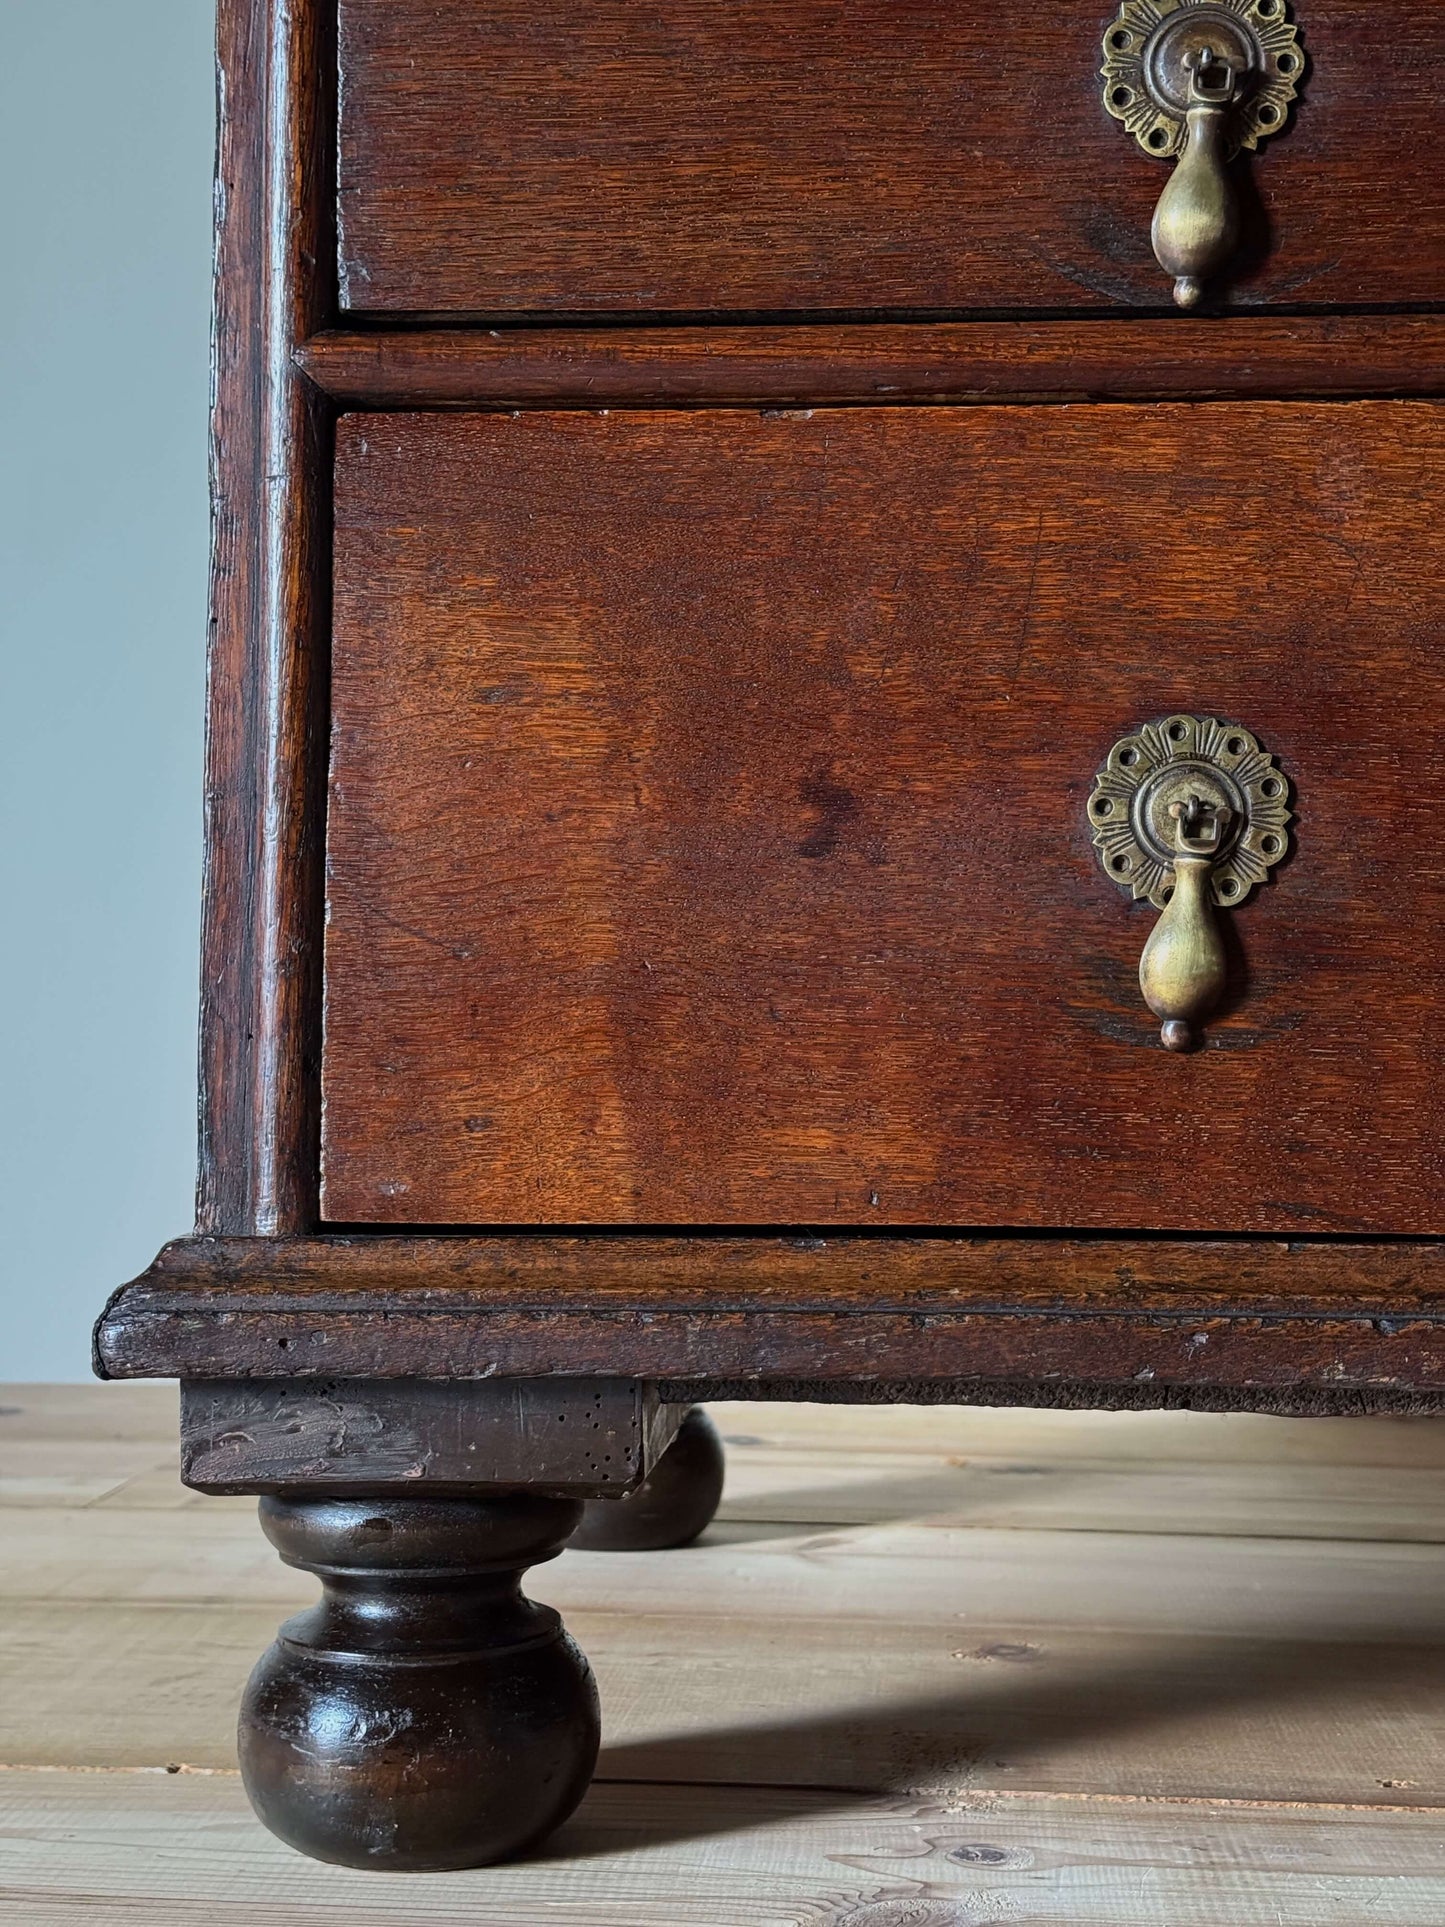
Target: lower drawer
(709,843)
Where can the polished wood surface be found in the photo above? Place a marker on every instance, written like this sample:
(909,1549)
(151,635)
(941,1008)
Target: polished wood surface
(271,435)
(425,1715)
(604,158)
(1256,356)
(707,839)
(984,1319)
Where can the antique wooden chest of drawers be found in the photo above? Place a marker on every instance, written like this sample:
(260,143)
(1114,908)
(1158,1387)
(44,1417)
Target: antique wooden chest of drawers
(814,789)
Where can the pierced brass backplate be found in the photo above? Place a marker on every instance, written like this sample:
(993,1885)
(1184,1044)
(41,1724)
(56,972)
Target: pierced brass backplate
(1188,813)
(1200,79)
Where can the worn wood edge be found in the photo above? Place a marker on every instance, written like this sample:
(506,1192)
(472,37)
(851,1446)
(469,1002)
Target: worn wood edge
(629,1270)
(580,1437)
(1246,1316)
(1340,356)
(267,698)
(711,1350)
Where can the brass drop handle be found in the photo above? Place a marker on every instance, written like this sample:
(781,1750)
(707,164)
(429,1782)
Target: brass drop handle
(1196,222)
(1200,79)
(1182,971)
(1189,814)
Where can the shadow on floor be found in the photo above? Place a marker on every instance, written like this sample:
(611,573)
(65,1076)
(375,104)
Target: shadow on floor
(936,1744)
(905,1498)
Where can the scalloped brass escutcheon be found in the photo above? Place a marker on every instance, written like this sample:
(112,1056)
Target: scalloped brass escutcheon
(1200,79)
(1190,814)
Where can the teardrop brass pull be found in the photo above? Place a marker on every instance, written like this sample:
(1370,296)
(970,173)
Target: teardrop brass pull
(1182,970)
(1196,222)
(1189,814)
(1200,79)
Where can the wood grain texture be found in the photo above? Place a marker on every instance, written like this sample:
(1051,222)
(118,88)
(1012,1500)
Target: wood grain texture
(1072,1491)
(857,1658)
(414,1439)
(260,991)
(900,1656)
(1260,356)
(1091,1725)
(604,158)
(105,1848)
(1157,1318)
(707,838)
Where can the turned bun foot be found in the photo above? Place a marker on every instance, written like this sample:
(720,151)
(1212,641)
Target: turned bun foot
(425,1715)
(674,1503)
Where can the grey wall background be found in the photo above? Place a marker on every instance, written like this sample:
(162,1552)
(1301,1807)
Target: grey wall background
(105,162)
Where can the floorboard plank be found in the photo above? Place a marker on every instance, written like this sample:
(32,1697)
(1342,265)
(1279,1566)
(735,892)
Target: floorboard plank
(118,1849)
(1299,1589)
(1148,1437)
(143,1409)
(896,1703)
(799,1484)
(931,1669)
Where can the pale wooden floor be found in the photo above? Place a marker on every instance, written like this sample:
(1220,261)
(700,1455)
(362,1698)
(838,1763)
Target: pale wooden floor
(930,1669)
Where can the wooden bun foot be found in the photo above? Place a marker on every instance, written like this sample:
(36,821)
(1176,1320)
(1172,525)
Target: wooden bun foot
(673,1504)
(425,1715)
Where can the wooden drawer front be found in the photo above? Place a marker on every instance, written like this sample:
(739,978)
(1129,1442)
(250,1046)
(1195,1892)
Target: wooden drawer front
(598,156)
(707,836)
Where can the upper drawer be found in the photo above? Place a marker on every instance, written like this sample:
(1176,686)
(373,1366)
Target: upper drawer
(599,156)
